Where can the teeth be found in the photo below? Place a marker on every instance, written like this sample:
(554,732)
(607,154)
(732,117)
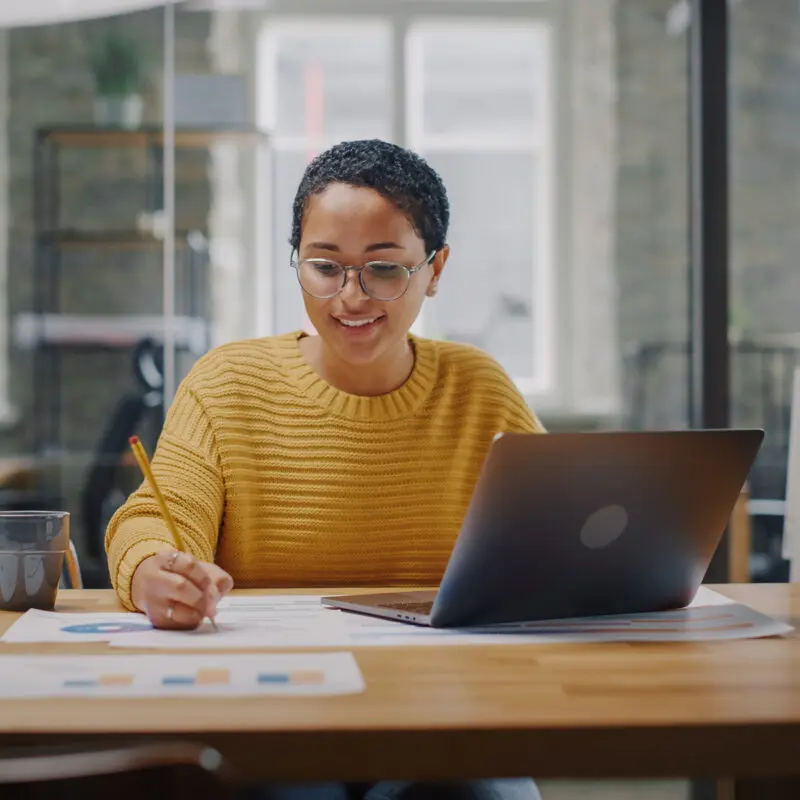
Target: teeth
(356,323)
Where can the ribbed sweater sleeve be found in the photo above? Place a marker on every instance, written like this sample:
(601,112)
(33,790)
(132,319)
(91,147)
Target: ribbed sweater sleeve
(186,466)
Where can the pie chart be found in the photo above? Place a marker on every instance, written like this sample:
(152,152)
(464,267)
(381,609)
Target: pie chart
(108,627)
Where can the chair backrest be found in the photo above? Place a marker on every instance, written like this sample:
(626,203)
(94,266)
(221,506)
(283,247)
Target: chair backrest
(103,472)
(156,771)
(103,492)
(71,577)
(791,518)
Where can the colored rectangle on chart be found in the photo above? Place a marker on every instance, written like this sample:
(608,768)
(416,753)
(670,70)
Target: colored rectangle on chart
(206,677)
(298,677)
(273,677)
(307,677)
(177,680)
(76,682)
(115,680)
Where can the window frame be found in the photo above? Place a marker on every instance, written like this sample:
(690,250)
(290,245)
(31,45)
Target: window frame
(266,112)
(400,17)
(540,381)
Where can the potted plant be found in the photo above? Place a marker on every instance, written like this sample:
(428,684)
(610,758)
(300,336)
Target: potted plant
(116,65)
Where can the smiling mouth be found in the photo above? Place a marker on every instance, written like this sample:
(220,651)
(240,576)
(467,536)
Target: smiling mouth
(359,324)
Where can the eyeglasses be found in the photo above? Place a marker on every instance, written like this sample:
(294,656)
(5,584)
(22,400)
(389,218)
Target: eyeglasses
(380,280)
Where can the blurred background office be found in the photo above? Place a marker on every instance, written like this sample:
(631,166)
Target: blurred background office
(149,156)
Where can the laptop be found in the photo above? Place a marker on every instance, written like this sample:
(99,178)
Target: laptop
(582,524)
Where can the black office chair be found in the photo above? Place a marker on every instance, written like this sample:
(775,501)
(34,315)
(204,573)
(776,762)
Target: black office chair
(105,490)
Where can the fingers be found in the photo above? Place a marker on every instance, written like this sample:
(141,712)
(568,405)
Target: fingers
(221,579)
(190,568)
(175,616)
(195,587)
(177,591)
(198,576)
(164,612)
(181,592)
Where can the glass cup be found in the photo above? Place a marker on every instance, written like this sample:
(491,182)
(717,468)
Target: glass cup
(33,545)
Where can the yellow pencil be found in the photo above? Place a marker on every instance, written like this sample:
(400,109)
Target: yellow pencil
(140,454)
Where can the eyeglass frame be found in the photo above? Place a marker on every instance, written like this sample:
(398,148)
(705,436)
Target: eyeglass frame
(295,265)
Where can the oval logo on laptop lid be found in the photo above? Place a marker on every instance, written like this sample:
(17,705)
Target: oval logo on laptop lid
(604,527)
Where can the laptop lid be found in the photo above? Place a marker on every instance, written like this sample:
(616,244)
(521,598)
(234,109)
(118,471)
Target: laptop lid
(579,524)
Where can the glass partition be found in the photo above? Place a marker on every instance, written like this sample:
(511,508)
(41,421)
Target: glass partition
(81,176)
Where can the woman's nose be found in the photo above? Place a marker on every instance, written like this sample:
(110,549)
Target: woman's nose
(352,286)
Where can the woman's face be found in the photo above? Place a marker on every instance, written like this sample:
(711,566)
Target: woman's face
(353,226)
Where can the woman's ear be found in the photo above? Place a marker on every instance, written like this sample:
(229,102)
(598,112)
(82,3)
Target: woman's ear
(437,265)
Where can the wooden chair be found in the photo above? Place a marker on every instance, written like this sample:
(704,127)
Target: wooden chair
(791,517)
(72,577)
(740,537)
(156,771)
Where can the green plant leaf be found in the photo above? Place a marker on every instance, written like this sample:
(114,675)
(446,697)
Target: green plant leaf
(116,65)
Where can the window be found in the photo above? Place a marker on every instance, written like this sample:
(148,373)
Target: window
(477,106)
(478,111)
(319,84)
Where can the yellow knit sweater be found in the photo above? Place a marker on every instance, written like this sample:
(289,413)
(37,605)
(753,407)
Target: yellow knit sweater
(286,481)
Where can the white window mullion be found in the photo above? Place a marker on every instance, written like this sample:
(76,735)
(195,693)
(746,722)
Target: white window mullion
(413,69)
(530,141)
(544,298)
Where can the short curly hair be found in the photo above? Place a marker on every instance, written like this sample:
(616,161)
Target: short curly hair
(399,175)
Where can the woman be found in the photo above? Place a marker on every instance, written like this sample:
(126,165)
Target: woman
(343,458)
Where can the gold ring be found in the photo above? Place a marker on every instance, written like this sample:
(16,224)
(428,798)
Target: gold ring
(170,565)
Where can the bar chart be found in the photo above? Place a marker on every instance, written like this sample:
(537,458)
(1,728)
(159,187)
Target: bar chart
(191,676)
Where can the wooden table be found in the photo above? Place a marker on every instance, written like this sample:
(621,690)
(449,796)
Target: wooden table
(551,711)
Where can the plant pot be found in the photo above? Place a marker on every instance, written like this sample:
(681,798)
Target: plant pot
(118,111)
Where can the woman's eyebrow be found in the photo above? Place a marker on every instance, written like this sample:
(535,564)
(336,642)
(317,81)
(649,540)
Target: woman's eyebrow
(324,246)
(334,248)
(384,246)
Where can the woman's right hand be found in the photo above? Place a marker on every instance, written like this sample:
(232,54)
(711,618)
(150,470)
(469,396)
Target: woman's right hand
(177,591)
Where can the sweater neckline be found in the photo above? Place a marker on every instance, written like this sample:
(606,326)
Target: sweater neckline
(401,402)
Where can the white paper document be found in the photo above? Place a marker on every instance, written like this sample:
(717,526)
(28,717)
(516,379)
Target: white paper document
(71,628)
(240,621)
(293,621)
(285,621)
(252,621)
(194,676)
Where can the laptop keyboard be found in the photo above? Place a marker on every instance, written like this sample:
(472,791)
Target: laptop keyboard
(414,608)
